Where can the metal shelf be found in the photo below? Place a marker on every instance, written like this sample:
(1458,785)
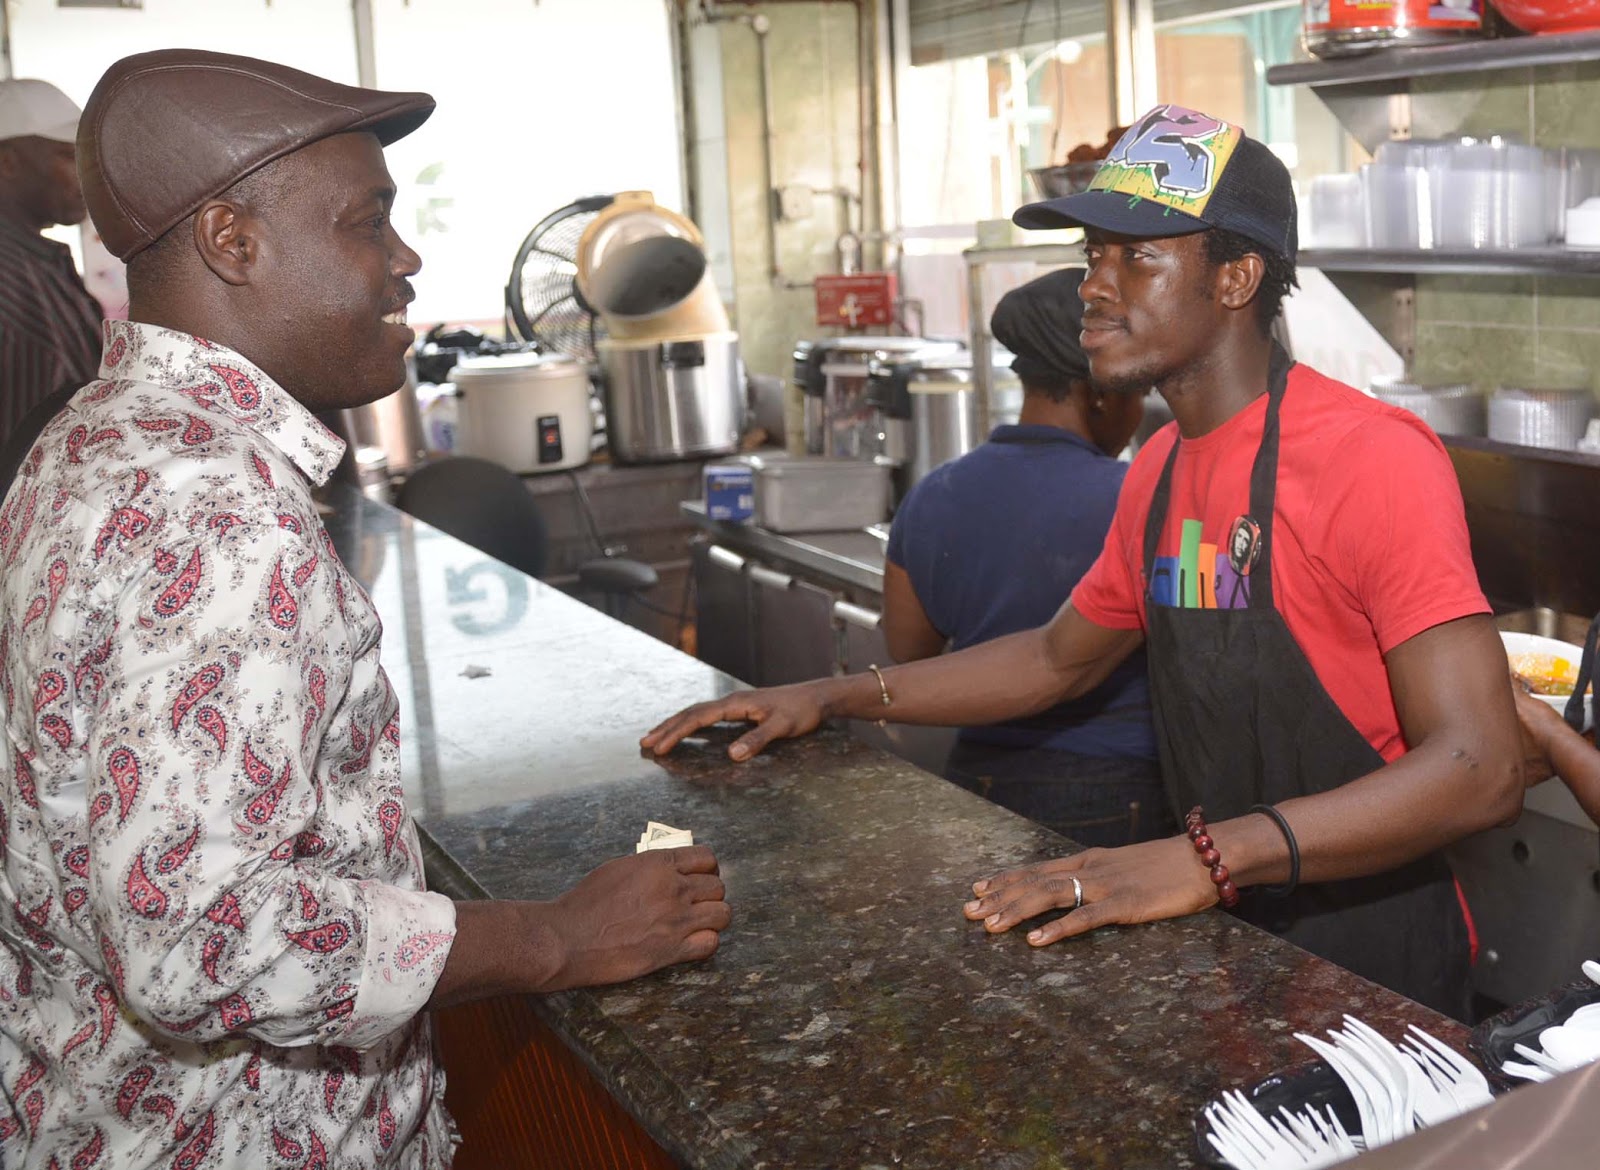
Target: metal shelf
(1509,262)
(1515,451)
(1402,64)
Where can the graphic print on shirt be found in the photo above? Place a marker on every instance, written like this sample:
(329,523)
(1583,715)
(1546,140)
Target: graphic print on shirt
(1204,574)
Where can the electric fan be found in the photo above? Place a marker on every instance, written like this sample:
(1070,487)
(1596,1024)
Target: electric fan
(543,303)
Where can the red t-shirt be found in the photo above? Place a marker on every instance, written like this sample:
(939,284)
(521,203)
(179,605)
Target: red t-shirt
(1370,538)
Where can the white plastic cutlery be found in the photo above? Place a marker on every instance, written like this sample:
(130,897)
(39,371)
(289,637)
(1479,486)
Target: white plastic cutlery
(1592,970)
(1396,1089)
(1470,1086)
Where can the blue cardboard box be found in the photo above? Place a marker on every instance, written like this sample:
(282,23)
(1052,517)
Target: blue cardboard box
(730,491)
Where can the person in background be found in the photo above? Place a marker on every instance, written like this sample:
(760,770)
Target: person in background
(994,542)
(216,944)
(49,324)
(1328,688)
(1551,748)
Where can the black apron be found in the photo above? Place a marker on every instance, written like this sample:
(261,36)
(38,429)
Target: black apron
(1241,719)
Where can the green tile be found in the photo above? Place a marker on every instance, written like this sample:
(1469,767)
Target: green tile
(1566,357)
(1497,102)
(1485,356)
(1564,103)
(1476,300)
(1568,304)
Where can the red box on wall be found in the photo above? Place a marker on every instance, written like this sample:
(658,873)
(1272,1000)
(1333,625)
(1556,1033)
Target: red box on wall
(850,302)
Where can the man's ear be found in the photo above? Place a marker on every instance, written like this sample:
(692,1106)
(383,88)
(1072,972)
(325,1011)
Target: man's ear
(1240,279)
(227,238)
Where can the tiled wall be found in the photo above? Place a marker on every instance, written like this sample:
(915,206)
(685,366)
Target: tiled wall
(815,127)
(1527,331)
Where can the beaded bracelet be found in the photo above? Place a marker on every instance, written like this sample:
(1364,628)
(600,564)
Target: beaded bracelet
(1195,823)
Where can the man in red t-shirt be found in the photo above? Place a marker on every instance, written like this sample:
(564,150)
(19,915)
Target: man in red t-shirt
(1331,699)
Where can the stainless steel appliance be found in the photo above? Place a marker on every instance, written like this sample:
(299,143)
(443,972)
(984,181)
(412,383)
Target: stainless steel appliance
(673,399)
(669,364)
(841,418)
(819,494)
(930,410)
(623,281)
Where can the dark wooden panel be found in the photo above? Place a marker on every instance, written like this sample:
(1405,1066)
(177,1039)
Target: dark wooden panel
(1534,517)
(523,1101)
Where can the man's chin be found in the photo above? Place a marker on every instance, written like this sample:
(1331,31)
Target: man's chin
(1117,378)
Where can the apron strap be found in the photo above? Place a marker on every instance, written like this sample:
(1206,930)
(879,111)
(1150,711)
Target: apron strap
(1263,487)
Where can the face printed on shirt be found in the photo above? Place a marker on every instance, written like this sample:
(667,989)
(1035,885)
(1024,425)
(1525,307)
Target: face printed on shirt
(328,288)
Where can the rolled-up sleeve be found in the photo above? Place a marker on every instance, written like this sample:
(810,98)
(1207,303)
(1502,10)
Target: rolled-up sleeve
(252,867)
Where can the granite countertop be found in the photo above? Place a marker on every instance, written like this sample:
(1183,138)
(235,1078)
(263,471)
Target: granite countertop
(852,1017)
(853,558)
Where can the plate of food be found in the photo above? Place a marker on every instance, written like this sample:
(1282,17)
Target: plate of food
(1550,668)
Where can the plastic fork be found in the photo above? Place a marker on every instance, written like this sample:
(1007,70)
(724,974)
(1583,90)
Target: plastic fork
(1528,1072)
(1540,1060)
(1384,1061)
(1237,1141)
(1362,1088)
(1470,1084)
(1320,1139)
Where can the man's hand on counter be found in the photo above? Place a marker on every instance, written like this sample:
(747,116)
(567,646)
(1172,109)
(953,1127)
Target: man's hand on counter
(625,919)
(777,712)
(1009,677)
(1136,883)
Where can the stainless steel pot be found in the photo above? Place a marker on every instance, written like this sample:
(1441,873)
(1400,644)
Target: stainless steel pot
(832,373)
(929,411)
(669,400)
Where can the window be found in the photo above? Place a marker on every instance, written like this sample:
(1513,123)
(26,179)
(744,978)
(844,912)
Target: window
(538,104)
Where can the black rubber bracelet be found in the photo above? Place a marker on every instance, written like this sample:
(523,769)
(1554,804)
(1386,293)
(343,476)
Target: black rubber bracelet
(1293,883)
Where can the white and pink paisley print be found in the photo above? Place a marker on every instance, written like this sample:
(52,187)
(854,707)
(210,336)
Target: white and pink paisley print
(215,941)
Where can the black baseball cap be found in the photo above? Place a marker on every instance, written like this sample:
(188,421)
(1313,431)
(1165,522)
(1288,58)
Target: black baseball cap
(1176,172)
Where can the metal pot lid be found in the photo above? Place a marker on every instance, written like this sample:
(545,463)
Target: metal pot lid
(899,346)
(539,365)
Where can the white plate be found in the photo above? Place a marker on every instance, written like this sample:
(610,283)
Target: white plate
(1535,644)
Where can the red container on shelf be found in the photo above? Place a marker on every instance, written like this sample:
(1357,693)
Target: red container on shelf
(1343,28)
(1551,16)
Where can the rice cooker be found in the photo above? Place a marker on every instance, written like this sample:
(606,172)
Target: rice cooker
(529,412)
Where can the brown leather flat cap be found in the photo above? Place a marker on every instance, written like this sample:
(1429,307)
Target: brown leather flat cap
(165,131)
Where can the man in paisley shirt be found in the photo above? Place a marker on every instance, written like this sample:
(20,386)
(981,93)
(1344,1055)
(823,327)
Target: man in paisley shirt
(216,947)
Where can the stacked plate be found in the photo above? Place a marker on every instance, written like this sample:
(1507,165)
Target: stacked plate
(1553,418)
(1450,409)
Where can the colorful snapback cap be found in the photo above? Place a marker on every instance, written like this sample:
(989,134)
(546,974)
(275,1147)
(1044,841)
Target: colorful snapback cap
(1175,172)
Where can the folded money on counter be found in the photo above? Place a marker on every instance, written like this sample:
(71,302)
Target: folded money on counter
(659,836)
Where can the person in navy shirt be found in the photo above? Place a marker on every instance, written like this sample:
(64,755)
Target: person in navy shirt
(994,542)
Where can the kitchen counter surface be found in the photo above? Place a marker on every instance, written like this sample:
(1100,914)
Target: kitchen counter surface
(852,1017)
(852,558)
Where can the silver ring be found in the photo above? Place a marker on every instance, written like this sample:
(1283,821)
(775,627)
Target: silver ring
(1077,892)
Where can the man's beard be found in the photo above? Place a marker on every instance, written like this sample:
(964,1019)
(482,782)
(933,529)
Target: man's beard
(1138,379)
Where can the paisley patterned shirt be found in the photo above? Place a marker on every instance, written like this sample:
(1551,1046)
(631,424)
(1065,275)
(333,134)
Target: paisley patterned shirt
(214,937)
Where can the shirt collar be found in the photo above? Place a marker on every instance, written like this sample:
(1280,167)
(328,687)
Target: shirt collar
(1038,433)
(217,379)
(41,246)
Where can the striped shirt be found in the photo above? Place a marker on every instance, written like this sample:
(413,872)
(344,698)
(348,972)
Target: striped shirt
(49,324)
